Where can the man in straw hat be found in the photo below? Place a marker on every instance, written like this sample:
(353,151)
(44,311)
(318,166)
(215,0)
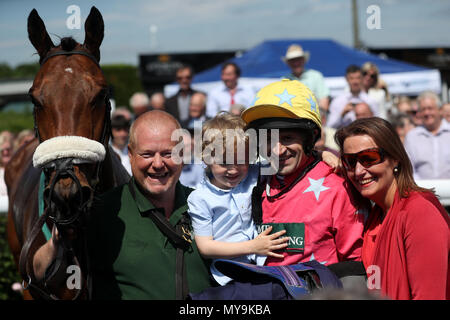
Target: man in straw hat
(304,197)
(296,59)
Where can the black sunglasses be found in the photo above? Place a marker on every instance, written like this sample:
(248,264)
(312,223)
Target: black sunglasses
(366,158)
(187,77)
(373,76)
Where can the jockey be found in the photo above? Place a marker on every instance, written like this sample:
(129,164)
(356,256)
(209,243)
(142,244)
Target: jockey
(304,196)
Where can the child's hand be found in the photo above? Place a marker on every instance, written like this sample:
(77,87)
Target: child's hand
(265,243)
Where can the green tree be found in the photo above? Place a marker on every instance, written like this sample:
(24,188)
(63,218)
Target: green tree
(124,80)
(28,70)
(16,121)
(6,71)
(22,71)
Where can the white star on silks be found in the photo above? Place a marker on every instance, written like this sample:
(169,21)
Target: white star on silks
(314,258)
(316,187)
(285,97)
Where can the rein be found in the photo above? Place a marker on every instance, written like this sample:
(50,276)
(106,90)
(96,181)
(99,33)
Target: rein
(63,167)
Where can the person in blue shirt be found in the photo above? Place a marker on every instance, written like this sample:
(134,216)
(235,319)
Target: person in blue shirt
(220,207)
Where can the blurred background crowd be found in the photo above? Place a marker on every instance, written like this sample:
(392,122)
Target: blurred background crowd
(421,118)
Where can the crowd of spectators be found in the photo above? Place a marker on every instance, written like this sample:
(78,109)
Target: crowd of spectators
(415,119)
(367,96)
(10,143)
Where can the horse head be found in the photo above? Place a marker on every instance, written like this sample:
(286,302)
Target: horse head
(72,117)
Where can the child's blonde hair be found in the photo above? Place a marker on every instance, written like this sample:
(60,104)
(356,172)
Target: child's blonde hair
(220,134)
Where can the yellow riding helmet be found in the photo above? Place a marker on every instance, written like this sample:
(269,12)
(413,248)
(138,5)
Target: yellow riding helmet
(284,104)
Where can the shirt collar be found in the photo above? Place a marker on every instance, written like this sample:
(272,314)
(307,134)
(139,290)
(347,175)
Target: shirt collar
(225,88)
(207,181)
(278,182)
(218,190)
(144,205)
(445,126)
(119,151)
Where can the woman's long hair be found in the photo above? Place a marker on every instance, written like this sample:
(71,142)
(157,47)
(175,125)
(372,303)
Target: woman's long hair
(386,138)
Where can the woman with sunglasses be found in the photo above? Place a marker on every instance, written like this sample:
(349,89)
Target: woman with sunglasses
(376,88)
(406,237)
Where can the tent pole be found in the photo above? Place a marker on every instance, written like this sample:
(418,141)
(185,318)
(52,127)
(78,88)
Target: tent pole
(356,41)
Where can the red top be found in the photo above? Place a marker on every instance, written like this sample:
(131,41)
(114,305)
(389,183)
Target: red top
(333,227)
(409,249)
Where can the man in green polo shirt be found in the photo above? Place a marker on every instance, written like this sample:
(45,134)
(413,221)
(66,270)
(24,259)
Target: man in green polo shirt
(139,262)
(131,258)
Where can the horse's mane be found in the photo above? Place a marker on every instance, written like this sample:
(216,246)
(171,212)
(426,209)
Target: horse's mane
(68,43)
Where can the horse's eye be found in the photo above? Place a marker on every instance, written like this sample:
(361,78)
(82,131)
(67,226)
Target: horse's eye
(99,98)
(36,103)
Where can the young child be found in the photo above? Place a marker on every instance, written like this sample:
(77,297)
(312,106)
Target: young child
(220,207)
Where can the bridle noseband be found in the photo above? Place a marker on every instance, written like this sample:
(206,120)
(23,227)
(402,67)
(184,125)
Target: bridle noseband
(64,168)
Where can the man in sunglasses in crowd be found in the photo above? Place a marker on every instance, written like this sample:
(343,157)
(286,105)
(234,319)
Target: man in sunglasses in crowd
(178,105)
(304,196)
(342,107)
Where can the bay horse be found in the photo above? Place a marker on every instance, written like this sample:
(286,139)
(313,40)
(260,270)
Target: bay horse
(71,149)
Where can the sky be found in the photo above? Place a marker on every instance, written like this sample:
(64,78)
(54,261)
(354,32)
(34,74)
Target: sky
(137,27)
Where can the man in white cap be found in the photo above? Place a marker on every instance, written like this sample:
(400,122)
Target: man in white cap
(296,59)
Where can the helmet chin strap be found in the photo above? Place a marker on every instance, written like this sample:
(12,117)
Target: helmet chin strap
(80,148)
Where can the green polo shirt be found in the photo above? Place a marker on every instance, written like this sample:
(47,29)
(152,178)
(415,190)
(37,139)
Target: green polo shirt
(130,257)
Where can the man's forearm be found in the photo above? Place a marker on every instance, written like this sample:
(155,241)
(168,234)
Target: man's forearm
(43,258)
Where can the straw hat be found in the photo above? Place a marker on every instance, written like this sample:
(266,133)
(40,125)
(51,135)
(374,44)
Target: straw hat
(295,51)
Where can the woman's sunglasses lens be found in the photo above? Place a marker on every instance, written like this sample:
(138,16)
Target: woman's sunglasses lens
(349,161)
(369,158)
(366,158)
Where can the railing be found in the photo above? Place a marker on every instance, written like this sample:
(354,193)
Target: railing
(441,187)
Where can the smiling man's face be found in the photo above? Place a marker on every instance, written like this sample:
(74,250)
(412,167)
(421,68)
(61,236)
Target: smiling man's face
(289,150)
(153,167)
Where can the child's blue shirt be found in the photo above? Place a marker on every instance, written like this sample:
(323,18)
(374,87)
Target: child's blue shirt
(226,215)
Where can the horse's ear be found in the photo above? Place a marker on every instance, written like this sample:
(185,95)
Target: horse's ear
(94,29)
(38,35)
